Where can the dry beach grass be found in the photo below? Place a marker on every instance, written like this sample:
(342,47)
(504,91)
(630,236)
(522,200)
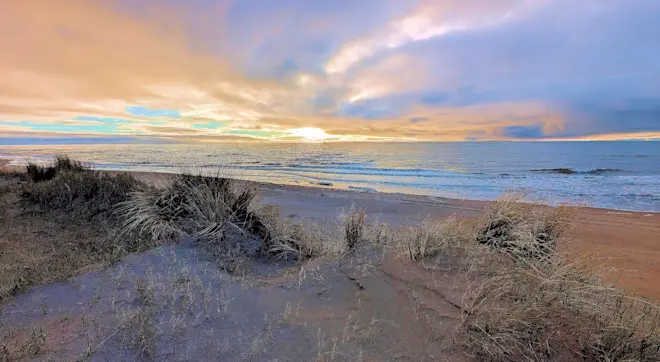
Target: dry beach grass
(522,299)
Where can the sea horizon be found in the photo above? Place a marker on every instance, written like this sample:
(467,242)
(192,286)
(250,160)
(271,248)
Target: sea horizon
(622,175)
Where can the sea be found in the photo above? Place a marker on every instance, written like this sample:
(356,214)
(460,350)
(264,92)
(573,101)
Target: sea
(623,175)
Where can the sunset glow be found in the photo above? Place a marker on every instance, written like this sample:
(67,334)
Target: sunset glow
(310,134)
(308,71)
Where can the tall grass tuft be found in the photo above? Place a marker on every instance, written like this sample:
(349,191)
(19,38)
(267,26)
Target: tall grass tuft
(523,230)
(540,305)
(86,194)
(37,173)
(297,241)
(429,239)
(354,228)
(223,214)
(554,310)
(205,208)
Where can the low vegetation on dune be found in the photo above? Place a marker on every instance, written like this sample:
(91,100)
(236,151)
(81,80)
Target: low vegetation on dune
(523,300)
(527,301)
(61,218)
(523,230)
(57,220)
(222,214)
(62,164)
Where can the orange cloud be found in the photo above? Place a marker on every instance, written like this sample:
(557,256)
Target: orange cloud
(64,59)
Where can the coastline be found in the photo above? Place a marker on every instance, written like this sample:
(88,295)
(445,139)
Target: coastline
(421,276)
(623,244)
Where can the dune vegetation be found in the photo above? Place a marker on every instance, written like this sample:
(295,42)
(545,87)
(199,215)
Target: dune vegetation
(522,298)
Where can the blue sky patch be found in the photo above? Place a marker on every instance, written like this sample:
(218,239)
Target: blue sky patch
(141,111)
(208,125)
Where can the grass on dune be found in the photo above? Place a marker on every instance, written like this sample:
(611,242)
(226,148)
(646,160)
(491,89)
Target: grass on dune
(38,173)
(54,226)
(221,213)
(526,301)
(523,230)
(553,310)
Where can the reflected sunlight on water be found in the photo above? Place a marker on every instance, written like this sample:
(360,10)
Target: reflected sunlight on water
(622,175)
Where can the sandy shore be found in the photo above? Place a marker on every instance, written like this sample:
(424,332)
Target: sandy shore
(625,245)
(366,303)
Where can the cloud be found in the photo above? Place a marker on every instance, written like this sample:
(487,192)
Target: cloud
(428,20)
(372,70)
(146,112)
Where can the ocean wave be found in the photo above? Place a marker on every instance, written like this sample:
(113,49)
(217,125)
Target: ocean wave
(631,156)
(348,170)
(570,171)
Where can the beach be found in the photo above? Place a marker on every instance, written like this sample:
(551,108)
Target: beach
(612,175)
(624,245)
(347,273)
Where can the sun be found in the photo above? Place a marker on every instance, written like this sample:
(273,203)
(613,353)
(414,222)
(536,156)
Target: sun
(310,134)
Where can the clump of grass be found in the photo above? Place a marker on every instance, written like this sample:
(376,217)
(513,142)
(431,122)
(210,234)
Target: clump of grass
(557,310)
(523,230)
(429,239)
(223,214)
(87,194)
(64,224)
(298,241)
(205,208)
(354,228)
(37,173)
(538,305)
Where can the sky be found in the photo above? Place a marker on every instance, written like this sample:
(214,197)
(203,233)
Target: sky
(93,71)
